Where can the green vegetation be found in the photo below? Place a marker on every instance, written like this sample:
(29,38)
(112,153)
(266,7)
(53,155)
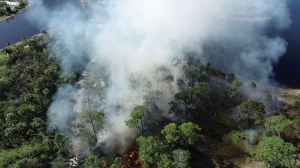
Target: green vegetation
(26,155)
(274,152)
(95,119)
(137,117)
(214,118)
(60,143)
(276,124)
(28,79)
(93,161)
(181,158)
(6,10)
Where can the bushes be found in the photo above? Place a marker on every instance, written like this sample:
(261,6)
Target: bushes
(297,101)
(2,10)
(24,163)
(28,155)
(93,162)
(60,143)
(274,152)
(28,78)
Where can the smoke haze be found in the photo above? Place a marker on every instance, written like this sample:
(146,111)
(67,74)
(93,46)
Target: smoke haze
(131,36)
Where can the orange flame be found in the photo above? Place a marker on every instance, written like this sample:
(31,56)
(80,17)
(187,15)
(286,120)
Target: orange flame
(219,85)
(138,163)
(130,160)
(104,162)
(132,154)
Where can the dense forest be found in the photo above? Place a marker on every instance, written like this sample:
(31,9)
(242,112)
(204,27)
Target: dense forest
(212,120)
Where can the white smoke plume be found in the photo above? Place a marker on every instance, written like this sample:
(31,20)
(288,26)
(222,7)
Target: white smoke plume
(132,35)
(251,133)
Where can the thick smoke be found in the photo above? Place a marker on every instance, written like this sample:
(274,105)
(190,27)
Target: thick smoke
(131,36)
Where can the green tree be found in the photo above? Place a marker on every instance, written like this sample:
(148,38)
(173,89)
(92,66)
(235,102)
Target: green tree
(220,75)
(233,87)
(59,162)
(207,68)
(24,163)
(93,162)
(171,134)
(230,77)
(166,76)
(43,31)
(231,90)
(181,158)
(164,161)
(146,84)
(274,152)
(201,89)
(95,118)
(187,133)
(148,149)
(25,38)
(252,85)
(190,132)
(268,97)
(38,124)
(182,97)
(8,9)
(3,10)
(137,117)
(136,80)
(60,143)
(192,73)
(296,123)
(251,107)
(276,124)
(155,72)
(151,96)
(118,162)
(88,137)
(4,60)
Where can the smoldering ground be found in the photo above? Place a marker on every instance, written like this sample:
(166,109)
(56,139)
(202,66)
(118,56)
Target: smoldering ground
(131,36)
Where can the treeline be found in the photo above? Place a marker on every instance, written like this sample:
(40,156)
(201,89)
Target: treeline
(209,100)
(29,77)
(211,112)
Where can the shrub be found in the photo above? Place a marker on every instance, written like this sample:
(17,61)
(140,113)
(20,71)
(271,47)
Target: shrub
(27,152)
(93,162)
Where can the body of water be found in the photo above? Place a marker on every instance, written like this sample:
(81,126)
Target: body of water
(13,29)
(287,71)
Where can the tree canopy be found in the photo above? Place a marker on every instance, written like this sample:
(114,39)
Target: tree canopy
(95,118)
(274,152)
(252,107)
(276,124)
(186,133)
(137,117)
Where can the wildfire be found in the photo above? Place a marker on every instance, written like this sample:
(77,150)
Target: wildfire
(104,162)
(131,160)
(132,154)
